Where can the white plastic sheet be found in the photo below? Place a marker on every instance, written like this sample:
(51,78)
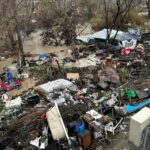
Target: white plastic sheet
(13,103)
(55,124)
(85,62)
(56,85)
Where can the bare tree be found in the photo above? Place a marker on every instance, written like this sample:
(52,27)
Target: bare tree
(15,15)
(60,27)
(27,11)
(115,13)
(9,22)
(90,8)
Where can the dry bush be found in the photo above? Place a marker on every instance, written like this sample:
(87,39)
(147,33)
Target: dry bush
(98,24)
(134,19)
(62,31)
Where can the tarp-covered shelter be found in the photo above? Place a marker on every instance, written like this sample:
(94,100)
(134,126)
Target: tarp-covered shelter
(124,39)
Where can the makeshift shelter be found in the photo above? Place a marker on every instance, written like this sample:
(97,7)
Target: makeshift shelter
(124,39)
(103,34)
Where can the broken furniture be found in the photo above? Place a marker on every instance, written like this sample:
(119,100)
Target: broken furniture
(94,124)
(56,124)
(110,127)
(99,124)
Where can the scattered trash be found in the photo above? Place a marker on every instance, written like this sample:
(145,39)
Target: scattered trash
(2,58)
(72,75)
(83,101)
(13,103)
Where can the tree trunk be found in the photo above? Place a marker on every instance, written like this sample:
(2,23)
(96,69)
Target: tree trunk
(20,45)
(17,27)
(149,14)
(12,41)
(148,7)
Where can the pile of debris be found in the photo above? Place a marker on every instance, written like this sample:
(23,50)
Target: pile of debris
(82,107)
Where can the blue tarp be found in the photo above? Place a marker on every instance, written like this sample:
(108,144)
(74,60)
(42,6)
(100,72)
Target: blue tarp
(42,56)
(131,108)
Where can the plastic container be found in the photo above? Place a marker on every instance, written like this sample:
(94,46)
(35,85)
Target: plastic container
(131,93)
(80,127)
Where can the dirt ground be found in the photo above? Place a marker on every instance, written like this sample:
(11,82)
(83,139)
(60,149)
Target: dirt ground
(7,62)
(33,45)
(118,142)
